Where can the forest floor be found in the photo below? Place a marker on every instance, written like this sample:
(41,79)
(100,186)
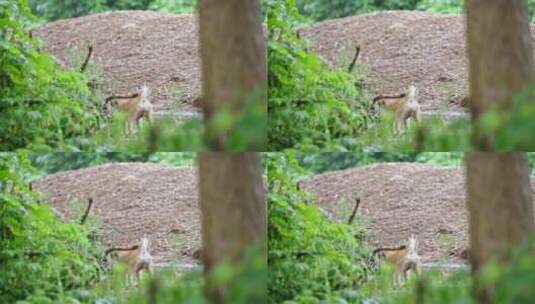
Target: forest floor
(400,199)
(132,200)
(400,47)
(132,48)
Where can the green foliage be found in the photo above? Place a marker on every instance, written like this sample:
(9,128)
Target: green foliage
(175,6)
(318,10)
(244,130)
(126,4)
(434,134)
(511,130)
(62,9)
(163,135)
(316,163)
(49,163)
(449,159)
(325,9)
(310,107)
(310,258)
(42,259)
(41,106)
(531,159)
(442,6)
(45,260)
(174,158)
(319,162)
(246,284)
(434,287)
(50,10)
(513,283)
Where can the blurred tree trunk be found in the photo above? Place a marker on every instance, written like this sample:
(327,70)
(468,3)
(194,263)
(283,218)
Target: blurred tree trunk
(233,54)
(233,211)
(500,55)
(500,208)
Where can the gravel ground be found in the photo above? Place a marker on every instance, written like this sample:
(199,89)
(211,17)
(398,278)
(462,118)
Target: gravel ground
(133,48)
(399,199)
(132,200)
(400,47)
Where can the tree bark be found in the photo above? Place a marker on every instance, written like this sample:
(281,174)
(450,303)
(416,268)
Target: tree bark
(500,55)
(500,208)
(233,208)
(233,53)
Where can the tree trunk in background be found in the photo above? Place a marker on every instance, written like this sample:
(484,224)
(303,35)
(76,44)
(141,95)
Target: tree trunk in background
(500,55)
(233,53)
(500,207)
(233,210)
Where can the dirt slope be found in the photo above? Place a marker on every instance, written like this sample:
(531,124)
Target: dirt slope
(132,200)
(399,199)
(133,48)
(400,47)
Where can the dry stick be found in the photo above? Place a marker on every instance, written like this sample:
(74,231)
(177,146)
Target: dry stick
(84,65)
(86,213)
(352,217)
(352,65)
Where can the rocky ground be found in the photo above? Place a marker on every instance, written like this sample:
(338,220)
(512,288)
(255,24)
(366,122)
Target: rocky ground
(400,199)
(400,47)
(132,200)
(132,48)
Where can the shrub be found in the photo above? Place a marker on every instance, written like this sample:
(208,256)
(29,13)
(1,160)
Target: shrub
(41,105)
(42,258)
(310,258)
(310,107)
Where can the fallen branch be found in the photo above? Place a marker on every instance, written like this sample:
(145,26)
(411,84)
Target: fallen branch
(84,65)
(352,65)
(354,213)
(86,213)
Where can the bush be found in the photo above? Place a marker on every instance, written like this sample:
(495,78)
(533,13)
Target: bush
(41,106)
(175,6)
(310,259)
(310,107)
(46,260)
(50,10)
(317,10)
(42,258)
